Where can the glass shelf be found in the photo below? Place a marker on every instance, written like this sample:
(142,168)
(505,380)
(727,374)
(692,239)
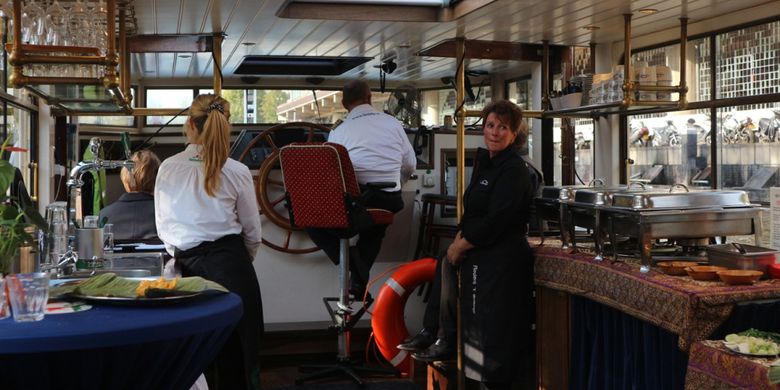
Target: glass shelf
(81,99)
(597,110)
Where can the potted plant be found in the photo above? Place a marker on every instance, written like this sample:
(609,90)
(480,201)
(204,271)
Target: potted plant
(15,217)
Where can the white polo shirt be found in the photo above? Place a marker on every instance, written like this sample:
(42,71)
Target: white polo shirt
(186,216)
(377,145)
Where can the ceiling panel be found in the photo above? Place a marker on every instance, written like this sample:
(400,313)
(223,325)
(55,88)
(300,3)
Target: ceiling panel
(530,21)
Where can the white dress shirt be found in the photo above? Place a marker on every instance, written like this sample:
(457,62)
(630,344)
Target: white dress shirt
(186,216)
(377,145)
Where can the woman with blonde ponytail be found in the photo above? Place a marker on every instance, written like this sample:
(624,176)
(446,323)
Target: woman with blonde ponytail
(207,217)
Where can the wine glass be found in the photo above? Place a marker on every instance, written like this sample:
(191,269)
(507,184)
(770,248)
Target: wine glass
(56,24)
(33,24)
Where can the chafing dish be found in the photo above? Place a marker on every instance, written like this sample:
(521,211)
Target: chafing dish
(688,215)
(739,256)
(552,206)
(584,211)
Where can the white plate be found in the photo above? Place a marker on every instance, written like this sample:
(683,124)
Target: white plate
(733,347)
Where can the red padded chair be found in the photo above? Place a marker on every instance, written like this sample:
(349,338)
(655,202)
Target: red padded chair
(322,192)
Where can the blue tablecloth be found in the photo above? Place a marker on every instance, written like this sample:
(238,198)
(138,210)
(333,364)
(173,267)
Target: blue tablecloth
(117,347)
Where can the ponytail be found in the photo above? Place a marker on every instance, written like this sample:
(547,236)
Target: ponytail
(210,114)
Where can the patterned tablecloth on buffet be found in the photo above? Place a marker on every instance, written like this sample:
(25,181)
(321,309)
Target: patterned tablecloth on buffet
(691,309)
(712,366)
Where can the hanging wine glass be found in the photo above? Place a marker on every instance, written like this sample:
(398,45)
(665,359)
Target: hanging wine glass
(79,24)
(7,13)
(56,24)
(33,24)
(100,30)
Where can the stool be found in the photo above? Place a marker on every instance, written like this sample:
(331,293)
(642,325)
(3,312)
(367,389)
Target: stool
(322,191)
(430,234)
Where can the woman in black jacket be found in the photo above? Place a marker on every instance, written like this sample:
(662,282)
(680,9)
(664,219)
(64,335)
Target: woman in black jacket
(496,263)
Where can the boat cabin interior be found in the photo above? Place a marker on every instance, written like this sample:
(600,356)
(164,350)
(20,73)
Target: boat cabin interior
(664,93)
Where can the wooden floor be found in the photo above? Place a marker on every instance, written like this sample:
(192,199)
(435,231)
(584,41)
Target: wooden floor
(285,351)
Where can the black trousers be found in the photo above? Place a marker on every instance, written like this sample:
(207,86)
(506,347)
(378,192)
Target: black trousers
(367,249)
(227,262)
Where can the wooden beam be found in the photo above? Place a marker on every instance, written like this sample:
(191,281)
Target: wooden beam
(170,43)
(361,12)
(493,50)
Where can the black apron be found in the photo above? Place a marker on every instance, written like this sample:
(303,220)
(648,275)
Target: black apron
(227,262)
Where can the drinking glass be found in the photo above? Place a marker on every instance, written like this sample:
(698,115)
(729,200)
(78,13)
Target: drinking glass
(108,238)
(29,294)
(5,311)
(56,24)
(56,243)
(33,24)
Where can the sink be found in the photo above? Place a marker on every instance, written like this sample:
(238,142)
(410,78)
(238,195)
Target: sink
(129,265)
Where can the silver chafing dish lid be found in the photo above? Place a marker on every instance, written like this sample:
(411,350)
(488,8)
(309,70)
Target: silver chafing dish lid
(681,200)
(603,196)
(561,192)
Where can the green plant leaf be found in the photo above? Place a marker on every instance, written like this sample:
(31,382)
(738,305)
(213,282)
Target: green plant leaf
(34,217)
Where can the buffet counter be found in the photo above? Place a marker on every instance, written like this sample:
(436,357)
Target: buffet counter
(628,329)
(712,366)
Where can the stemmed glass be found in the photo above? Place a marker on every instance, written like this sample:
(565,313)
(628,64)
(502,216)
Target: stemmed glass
(33,24)
(56,24)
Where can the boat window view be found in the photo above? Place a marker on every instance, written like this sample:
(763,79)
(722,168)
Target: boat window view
(674,147)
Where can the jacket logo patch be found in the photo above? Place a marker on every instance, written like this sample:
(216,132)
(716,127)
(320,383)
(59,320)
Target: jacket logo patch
(484,182)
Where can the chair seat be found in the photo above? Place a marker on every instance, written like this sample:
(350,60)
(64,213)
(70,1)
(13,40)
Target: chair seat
(381,216)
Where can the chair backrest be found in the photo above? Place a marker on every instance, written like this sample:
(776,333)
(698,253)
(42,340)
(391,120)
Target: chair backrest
(318,177)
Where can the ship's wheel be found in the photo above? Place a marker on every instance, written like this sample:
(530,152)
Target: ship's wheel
(269,186)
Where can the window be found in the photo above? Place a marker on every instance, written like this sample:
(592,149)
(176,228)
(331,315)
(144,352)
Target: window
(670,148)
(747,61)
(439,103)
(698,72)
(748,149)
(168,98)
(520,93)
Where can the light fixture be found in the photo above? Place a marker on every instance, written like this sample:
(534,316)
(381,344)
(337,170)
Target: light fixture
(591,27)
(405,45)
(248,44)
(648,11)
(185,55)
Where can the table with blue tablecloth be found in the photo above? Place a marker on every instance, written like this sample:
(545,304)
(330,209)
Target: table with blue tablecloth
(627,329)
(118,347)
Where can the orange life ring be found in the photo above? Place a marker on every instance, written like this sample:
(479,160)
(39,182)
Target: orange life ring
(387,319)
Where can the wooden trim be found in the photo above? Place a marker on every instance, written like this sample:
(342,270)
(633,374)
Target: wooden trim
(170,43)
(359,12)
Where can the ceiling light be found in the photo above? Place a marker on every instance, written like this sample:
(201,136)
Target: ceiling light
(405,45)
(248,44)
(648,11)
(591,28)
(185,56)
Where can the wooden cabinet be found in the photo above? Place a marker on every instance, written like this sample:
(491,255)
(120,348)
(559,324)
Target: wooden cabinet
(552,339)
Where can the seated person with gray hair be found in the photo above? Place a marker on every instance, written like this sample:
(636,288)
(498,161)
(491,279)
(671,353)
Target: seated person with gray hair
(133,213)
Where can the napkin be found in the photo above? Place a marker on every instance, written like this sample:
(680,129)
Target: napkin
(111,285)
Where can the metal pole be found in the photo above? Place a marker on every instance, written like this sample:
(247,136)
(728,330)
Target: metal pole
(460,54)
(683,62)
